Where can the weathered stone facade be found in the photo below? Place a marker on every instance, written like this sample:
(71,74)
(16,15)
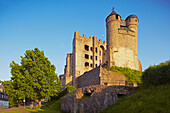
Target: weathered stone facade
(88,53)
(101,76)
(100,97)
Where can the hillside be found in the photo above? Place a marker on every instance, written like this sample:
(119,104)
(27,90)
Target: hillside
(155,99)
(152,96)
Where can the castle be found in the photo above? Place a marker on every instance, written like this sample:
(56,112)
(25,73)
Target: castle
(84,65)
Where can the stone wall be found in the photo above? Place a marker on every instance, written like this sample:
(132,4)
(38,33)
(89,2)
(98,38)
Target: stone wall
(101,97)
(88,53)
(91,77)
(100,76)
(111,78)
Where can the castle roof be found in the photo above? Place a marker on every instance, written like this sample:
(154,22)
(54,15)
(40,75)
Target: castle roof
(113,13)
(131,16)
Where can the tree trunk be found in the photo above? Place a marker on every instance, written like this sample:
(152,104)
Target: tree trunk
(39,103)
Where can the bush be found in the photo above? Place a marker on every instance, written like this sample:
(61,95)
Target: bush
(66,91)
(131,75)
(157,74)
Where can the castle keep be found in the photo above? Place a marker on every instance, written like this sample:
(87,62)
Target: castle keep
(84,66)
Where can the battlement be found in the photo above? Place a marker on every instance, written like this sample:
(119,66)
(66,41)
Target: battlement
(76,35)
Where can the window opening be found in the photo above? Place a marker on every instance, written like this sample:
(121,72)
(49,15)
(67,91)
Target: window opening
(86,47)
(116,16)
(92,57)
(86,56)
(86,64)
(96,57)
(91,49)
(96,49)
(91,65)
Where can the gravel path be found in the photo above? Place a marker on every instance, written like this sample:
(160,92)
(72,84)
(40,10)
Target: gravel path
(16,108)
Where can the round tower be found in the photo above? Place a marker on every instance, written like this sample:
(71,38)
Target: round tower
(112,24)
(132,24)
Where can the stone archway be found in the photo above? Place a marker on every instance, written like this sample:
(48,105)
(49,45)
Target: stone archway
(101,55)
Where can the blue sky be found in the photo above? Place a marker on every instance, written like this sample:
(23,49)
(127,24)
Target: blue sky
(50,26)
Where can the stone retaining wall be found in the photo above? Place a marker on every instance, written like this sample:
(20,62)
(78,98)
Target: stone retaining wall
(100,76)
(101,97)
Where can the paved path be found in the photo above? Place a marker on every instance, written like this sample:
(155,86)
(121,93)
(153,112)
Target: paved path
(16,108)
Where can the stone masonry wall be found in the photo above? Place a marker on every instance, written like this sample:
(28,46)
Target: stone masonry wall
(111,78)
(101,97)
(89,78)
(100,76)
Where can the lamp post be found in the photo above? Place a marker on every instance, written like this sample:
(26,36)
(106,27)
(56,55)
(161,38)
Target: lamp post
(24,102)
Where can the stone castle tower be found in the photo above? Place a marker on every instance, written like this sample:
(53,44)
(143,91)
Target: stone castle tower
(89,53)
(122,41)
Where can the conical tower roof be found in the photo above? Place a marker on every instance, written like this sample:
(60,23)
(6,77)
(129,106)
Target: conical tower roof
(113,13)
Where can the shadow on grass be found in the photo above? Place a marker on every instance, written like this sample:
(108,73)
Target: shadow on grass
(48,107)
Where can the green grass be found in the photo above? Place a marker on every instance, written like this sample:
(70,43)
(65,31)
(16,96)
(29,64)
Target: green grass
(155,99)
(85,97)
(16,111)
(133,76)
(48,107)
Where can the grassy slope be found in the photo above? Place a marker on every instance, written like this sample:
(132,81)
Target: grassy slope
(155,99)
(49,107)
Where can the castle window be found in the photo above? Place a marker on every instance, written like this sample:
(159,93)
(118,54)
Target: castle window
(86,56)
(86,64)
(96,65)
(96,49)
(91,65)
(105,83)
(86,47)
(116,16)
(92,57)
(96,57)
(91,49)
(135,20)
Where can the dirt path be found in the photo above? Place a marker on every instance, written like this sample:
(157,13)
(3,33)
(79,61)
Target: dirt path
(16,108)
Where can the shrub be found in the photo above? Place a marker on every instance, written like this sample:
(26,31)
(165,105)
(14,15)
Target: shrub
(157,74)
(131,75)
(67,90)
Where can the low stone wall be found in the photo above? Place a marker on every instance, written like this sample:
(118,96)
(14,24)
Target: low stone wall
(111,78)
(89,78)
(100,76)
(101,97)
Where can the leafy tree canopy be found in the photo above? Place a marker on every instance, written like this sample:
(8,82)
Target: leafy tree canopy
(35,78)
(157,74)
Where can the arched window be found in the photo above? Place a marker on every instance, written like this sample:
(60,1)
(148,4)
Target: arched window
(86,64)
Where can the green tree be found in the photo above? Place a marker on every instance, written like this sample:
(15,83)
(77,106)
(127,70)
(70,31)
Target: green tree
(35,78)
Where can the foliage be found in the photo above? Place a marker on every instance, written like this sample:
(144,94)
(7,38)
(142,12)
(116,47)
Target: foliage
(67,90)
(157,74)
(48,107)
(34,79)
(155,99)
(131,75)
